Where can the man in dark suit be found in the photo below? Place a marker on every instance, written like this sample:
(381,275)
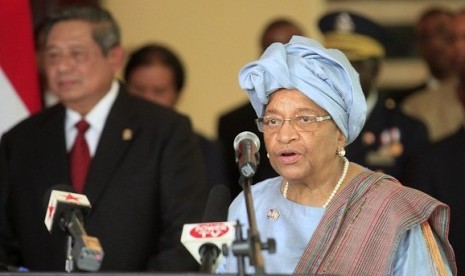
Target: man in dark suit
(389,138)
(243,117)
(145,179)
(439,171)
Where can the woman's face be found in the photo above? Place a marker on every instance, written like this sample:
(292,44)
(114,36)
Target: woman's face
(297,155)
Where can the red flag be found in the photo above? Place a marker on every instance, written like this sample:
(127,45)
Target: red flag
(19,84)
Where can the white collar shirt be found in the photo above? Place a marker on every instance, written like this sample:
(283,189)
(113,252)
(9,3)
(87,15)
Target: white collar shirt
(96,118)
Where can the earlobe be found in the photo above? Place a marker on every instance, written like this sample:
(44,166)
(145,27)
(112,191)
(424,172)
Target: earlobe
(116,57)
(342,139)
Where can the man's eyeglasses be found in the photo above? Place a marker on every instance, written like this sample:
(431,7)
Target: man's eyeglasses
(273,124)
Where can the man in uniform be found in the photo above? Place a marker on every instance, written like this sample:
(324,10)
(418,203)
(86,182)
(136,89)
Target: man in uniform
(389,138)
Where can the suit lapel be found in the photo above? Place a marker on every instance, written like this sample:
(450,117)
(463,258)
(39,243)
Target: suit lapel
(118,134)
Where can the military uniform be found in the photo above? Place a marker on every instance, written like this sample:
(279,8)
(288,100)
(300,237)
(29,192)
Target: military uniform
(389,140)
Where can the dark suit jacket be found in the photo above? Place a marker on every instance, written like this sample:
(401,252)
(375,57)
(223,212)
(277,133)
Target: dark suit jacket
(440,172)
(213,155)
(142,189)
(371,150)
(230,125)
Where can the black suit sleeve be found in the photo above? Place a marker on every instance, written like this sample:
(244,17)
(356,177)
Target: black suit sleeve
(182,196)
(9,249)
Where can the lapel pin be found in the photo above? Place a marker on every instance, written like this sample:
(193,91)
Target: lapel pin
(272,214)
(126,134)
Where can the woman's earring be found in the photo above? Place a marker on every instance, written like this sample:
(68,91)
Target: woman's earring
(341,152)
(268,155)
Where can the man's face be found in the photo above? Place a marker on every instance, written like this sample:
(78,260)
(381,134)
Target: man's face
(155,83)
(433,41)
(78,72)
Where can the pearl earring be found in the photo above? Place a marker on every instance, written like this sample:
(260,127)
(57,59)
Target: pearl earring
(341,152)
(268,155)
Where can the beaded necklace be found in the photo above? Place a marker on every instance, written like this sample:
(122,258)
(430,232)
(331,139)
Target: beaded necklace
(336,188)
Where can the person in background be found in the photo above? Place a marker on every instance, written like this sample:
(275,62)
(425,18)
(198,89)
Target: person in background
(138,163)
(439,171)
(436,105)
(389,138)
(431,38)
(241,118)
(156,73)
(327,214)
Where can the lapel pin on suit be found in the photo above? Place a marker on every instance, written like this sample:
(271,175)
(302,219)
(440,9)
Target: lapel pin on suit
(126,134)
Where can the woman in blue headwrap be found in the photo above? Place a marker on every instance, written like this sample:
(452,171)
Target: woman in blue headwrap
(326,214)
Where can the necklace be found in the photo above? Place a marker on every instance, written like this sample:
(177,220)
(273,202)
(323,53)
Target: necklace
(336,188)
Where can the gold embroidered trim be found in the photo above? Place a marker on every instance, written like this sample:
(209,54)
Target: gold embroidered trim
(433,248)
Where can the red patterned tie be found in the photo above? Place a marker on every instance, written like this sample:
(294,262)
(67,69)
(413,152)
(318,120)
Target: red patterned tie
(79,158)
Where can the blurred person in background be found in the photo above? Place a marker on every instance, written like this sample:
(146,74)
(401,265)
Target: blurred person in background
(439,171)
(155,73)
(389,138)
(138,163)
(436,104)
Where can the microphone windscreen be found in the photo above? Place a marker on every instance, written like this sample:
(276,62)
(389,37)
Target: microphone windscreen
(218,203)
(246,135)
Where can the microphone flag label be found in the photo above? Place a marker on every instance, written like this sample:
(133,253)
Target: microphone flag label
(195,235)
(210,230)
(62,197)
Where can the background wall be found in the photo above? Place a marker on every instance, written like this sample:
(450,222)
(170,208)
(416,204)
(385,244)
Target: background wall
(214,39)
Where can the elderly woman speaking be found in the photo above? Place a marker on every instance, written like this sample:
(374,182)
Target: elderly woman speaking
(326,214)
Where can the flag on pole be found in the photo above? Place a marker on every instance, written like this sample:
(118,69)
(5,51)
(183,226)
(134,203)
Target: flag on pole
(19,84)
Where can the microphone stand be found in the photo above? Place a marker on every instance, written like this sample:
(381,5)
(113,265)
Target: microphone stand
(69,263)
(251,246)
(256,254)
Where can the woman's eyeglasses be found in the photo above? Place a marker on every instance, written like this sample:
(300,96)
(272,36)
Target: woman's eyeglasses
(273,124)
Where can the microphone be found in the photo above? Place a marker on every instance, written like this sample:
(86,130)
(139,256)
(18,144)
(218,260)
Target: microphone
(205,240)
(246,145)
(65,210)
(217,205)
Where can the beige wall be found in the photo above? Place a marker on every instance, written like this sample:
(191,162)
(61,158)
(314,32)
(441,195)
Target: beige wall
(214,38)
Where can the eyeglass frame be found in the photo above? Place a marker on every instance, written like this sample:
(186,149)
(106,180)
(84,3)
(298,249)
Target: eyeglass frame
(261,126)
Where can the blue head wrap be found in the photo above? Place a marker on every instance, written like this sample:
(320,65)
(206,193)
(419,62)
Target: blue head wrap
(323,75)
